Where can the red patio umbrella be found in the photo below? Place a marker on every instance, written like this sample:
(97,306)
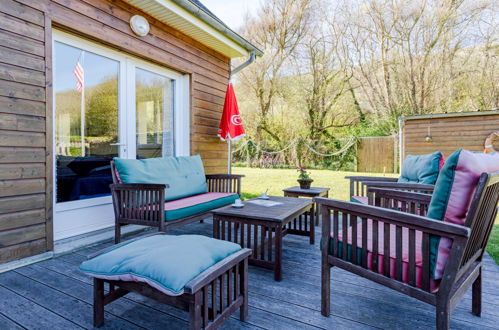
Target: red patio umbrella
(231,126)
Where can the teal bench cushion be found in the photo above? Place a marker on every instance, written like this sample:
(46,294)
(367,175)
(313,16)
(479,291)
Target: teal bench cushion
(165,262)
(192,205)
(422,168)
(184,175)
(452,197)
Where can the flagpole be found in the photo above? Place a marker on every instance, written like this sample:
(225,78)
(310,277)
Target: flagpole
(82,113)
(82,121)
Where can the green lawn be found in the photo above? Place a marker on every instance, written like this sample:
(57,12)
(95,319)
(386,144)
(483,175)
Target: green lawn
(275,180)
(258,180)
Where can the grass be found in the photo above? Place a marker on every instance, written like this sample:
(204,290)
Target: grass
(493,245)
(258,180)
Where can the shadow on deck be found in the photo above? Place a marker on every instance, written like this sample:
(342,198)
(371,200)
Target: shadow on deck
(53,294)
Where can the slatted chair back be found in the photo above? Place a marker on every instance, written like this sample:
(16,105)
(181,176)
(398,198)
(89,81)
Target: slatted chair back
(405,201)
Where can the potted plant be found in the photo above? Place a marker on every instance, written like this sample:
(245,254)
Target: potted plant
(304,178)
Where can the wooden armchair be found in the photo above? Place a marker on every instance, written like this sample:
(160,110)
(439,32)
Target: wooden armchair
(418,173)
(406,239)
(359,186)
(143,204)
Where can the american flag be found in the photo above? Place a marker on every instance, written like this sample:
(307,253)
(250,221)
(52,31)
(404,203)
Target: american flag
(80,76)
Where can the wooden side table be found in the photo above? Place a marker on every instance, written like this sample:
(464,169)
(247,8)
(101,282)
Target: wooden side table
(296,191)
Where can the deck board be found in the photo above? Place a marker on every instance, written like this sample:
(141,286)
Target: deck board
(8,324)
(58,296)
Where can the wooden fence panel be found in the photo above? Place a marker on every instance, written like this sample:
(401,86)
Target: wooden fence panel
(377,154)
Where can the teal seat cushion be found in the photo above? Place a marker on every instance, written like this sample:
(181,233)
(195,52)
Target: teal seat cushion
(421,168)
(189,206)
(184,175)
(165,262)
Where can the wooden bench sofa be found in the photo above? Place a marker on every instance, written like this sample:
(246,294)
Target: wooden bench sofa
(167,192)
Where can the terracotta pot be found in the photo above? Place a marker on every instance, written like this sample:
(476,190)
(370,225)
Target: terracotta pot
(305,183)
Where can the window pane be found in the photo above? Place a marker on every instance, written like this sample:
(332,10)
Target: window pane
(83,147)
(154,103)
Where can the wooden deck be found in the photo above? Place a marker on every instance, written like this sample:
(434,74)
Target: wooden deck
(53,294)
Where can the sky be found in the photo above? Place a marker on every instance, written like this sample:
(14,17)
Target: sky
(232,12)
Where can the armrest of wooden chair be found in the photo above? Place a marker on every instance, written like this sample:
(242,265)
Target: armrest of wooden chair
(350,213)
(356,183)
(228,183)
(416,187)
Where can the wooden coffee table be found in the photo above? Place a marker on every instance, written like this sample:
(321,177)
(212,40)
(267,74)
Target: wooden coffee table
(296,191)
(261,228)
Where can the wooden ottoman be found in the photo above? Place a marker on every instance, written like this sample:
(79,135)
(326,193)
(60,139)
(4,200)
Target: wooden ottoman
(210,297)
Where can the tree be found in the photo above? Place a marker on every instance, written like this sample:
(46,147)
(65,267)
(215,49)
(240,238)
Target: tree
(325,77)
(406,56)
(278,30)
(336,68)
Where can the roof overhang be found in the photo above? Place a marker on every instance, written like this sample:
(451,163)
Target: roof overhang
(199,24)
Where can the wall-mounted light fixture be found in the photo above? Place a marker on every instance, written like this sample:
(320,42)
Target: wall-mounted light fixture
(139,25)
(428,138)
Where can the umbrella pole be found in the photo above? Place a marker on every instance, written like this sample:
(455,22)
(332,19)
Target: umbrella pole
(229,157)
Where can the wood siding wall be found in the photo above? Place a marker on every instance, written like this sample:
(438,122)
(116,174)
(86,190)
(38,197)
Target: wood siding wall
(449,134)
(25,159)
(26,109)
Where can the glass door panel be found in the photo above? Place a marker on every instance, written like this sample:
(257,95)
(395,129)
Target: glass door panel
(87,122)
(154,114)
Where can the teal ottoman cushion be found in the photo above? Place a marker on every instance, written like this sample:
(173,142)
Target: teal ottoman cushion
(184,175)
(165,262)
(422,168)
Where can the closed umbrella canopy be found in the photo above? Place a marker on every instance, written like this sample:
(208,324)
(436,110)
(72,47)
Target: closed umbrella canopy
(231,127)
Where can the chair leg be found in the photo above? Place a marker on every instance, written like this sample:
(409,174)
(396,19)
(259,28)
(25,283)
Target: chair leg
(443,317)
(326,288)
(476,302)
(117,233)
(243,311)
(195,321)
(98,302)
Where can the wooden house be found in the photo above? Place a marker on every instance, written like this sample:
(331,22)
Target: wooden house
(83,81)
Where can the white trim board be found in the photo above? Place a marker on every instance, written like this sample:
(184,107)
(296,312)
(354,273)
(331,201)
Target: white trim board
(172,14)
(25,261)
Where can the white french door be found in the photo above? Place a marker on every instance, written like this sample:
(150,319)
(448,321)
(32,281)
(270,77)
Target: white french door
(124,107)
